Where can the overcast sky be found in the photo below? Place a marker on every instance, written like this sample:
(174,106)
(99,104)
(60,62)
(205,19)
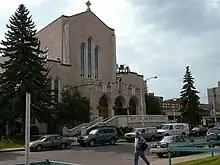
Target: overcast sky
(154,37)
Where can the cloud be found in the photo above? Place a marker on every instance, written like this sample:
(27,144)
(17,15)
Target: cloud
(8,7)
(154,37)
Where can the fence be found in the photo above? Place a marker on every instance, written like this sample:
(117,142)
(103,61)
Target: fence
(195,147)
(48,162)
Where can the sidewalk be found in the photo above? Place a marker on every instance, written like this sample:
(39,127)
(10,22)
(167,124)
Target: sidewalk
(11,149)
(164,161)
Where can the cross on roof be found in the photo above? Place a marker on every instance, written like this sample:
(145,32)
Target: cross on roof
(88,4)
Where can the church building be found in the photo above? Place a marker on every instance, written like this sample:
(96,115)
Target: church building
(82,53)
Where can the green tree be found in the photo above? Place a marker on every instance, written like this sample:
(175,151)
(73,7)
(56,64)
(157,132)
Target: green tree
(152,105)
(24,71)
(74,108)
(189,99)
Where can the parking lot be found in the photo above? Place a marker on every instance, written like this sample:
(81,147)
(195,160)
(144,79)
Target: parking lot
(99,155)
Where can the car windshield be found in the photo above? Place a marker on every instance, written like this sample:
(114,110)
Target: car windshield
(167,139)
(136,130)
(93,132)
(165,127)
(42,138)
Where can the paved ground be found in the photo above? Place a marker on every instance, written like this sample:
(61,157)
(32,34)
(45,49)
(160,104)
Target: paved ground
(100,155)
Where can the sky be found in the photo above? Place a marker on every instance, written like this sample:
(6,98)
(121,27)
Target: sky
(154,37)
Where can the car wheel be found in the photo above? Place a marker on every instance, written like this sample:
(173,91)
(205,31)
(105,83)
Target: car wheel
(177,154)
(153,138)
(166,134)
(63,146)
(160,155)
(92,143)
(39,148)
(112,141)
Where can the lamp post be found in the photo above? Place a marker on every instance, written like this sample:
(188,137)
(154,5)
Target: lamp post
(142,89)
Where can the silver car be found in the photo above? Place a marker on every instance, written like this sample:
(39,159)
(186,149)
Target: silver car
(50,141)
(149,133)
(160,148)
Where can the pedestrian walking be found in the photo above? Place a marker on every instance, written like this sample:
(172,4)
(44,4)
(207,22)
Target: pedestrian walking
(140,145)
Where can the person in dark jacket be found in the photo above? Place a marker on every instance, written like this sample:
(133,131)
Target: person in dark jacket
(138,149)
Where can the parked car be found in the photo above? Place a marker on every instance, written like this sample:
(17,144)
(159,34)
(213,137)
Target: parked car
(198,131)
(149,133)
(213,134)
(160,148)
(174,129)
(101,135)
(50,141)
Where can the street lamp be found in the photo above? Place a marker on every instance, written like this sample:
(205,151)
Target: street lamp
(141,96)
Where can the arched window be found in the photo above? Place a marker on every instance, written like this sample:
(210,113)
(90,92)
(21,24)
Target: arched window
(89,57)
(96,62)
(56,89)
(82,59)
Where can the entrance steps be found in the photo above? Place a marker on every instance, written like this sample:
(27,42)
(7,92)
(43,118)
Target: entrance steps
(76,130)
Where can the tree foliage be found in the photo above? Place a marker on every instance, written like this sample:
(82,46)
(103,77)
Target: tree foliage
(74,107)
(23,70)
(152,105)
(189,99)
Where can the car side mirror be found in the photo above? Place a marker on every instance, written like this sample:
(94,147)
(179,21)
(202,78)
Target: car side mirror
(46,140)
(97,133)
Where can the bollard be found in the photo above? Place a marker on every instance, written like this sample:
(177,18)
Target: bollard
(211,147)
(169,157)
(47,162)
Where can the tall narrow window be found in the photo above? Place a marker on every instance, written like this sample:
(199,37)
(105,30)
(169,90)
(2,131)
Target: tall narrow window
(96,62)
(82,58)
(56,89)
(89,57)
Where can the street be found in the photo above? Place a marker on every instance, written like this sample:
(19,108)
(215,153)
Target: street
(99,155)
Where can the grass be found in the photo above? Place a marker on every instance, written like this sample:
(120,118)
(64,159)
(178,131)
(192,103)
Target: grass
(215,160)
(7,143)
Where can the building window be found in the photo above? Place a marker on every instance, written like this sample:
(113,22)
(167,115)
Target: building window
(96,62)
(89,57)
(82,59)
(56,89)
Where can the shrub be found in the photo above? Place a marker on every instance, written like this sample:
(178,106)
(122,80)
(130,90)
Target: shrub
(5,142)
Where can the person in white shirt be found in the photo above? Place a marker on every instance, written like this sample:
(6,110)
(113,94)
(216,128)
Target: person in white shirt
(139,149)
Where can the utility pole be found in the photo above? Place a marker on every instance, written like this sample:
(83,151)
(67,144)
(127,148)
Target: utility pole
(27,128)
(214,103)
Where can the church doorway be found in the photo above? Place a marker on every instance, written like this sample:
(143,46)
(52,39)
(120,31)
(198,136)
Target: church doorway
(132,106)
(119,110)
(103,107)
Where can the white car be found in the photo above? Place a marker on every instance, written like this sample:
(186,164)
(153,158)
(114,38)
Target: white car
(174,129)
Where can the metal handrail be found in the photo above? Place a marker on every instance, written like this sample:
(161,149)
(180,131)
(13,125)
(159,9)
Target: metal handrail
(194,148)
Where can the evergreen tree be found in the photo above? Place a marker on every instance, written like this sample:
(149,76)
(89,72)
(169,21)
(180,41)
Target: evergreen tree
(152,105)
(23,71)
(189,99)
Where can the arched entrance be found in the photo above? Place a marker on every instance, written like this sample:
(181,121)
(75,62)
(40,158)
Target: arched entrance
(133,105)
(103,107)
(119,110)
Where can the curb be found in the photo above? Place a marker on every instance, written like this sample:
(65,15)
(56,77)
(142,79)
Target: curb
(12,149)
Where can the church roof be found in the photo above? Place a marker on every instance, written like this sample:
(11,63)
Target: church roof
(75,15)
